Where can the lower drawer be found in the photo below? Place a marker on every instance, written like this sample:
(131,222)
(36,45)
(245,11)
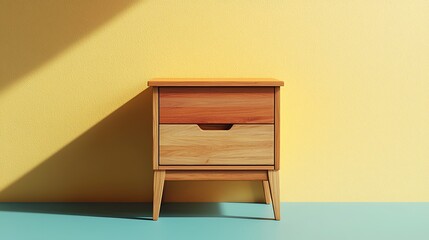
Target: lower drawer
(238,144)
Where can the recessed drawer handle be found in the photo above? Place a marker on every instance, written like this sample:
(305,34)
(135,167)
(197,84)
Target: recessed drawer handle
(215,126)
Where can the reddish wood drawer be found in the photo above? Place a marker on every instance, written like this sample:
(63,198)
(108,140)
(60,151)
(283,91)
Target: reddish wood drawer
(216,105)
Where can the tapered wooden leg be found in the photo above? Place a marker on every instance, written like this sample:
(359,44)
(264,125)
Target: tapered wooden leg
(267,194)
(158,187)
(273,178)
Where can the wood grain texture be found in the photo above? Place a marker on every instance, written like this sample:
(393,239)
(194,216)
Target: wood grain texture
(277,128)
(243,144)
(224,105)
(215,175)
(214,82)
(155,122)
(217,129)
(214,167)
(267,195)
(273,178)
(158,188)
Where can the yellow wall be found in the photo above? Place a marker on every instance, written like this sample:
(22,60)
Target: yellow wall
(75,121)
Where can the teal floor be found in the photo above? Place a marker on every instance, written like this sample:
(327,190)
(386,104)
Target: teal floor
(214,221)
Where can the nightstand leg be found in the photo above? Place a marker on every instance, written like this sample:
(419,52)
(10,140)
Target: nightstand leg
(267,194)
(273,178)
(158,187)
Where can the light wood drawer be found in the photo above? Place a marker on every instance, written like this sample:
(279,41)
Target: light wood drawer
(216,105)
(242,144)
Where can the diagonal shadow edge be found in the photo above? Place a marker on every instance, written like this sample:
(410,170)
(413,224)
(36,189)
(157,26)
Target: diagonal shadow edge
(33,33)
(112,162)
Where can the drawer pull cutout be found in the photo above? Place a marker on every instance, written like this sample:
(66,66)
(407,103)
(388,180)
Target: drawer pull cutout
(215,126)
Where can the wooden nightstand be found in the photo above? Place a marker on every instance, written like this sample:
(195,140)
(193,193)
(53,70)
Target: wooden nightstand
(216,129)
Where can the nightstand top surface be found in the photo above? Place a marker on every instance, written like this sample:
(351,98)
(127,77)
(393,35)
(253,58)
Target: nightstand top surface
(214,82)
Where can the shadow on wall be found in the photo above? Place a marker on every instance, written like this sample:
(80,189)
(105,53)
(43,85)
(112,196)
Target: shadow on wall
(110,162)
(33,32)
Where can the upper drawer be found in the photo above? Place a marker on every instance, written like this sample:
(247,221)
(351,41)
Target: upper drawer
(216,104)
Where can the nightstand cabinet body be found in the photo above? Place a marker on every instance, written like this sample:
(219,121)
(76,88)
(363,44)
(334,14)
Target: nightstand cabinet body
(216,129)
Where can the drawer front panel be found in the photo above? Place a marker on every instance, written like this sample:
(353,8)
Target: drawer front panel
(216,104)
(242,144)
